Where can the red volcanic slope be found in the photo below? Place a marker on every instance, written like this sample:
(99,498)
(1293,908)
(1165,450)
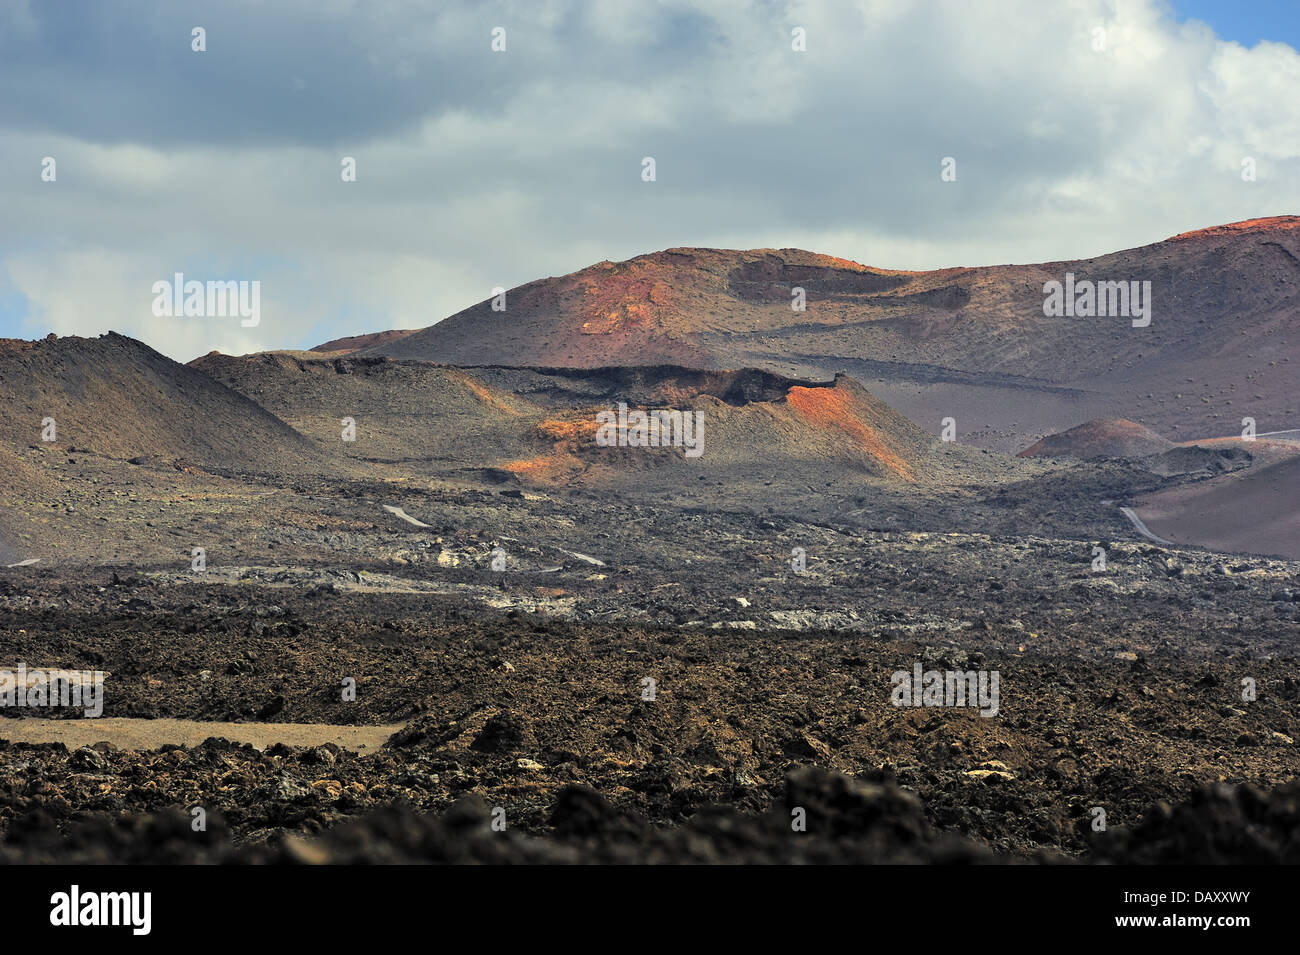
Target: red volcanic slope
(1268,224)
(654,309)
(710,307)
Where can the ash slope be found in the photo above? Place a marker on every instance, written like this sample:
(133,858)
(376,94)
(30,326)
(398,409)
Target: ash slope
(1253,510)
(538,425)
(1234,494)
(972,343)
(116,397)
(1115,438)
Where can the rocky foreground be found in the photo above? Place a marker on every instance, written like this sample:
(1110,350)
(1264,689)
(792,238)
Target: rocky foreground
(529,737)
(849,821)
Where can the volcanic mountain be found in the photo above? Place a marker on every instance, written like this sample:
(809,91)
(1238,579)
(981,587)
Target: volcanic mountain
(540,425)
(148,457)
(969,343)
(1113,438)
(115,397)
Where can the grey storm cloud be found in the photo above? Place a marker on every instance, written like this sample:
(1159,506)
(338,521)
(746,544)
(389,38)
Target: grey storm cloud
(301,73)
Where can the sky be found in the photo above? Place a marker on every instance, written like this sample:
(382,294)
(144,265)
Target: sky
(1077,127)
(1246,22)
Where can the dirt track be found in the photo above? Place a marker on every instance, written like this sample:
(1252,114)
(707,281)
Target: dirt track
(144,735)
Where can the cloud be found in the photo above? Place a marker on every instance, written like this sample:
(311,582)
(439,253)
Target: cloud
(94,290)
(478,169)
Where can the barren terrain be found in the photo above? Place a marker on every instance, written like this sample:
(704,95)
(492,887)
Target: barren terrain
(356,607)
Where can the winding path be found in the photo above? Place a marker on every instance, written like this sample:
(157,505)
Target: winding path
(1142,529)
(398,512)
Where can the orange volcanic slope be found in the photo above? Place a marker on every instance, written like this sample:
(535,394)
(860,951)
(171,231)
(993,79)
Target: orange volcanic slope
(652,309)
(828,428)
(1267,224)
(837,409)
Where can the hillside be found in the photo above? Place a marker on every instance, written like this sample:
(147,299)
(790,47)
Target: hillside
(352,343)
(1252,511)
(115,397)
(972,343)
(1111,438)
(405,412)
(540,425)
